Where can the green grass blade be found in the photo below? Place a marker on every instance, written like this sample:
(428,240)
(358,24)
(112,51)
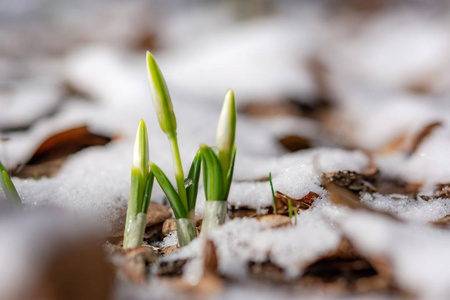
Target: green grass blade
(147,193)
(290,208)
(275,210)
(229,177)
(171,193)
(194,175)
(212,174)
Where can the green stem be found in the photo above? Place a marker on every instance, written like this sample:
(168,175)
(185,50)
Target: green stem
(213,215)
(186,231)
(178,169)
(136,230)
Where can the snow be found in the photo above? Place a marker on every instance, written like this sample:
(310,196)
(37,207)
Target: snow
(418,254)
(416,210)
(258,243)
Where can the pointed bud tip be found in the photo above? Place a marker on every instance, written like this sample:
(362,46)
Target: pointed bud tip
(140,151)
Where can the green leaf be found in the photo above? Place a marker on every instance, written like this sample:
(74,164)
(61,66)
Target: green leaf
(136,192)
(169,190)
(194,175)
(229,177)
(8,188)
(147,193)
(212,174)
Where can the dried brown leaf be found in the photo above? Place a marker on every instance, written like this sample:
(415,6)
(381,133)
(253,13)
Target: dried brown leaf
(294,143)
(422,135)
(303,203)
(275,221)
(52,153)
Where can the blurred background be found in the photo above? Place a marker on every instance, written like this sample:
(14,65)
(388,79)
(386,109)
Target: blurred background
(302,54)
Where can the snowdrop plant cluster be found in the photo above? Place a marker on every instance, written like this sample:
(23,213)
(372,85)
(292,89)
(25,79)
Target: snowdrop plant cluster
(218,165)
(8,188)
(141,190)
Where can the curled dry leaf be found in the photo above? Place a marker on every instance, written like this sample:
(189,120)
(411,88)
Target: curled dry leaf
(425,132)
(303,203)
(407,142)
(52,153)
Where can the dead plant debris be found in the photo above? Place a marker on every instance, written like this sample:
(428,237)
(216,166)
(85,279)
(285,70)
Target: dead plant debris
(294,143)
(52,153)
(346,270)
(303,203)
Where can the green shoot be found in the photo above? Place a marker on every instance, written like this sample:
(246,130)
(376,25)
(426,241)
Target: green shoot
(226,131)
(218,166)
(275,210)
(179,210)
(193,177)
(166,117)
(290,208)
(183,199)
(212,175)
(141,190)
(8,188)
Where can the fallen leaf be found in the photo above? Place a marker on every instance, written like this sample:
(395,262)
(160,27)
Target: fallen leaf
(421,136)
(442,222)
(294,143)
(354,181)
(303,203)
(52,153)
(275,221)
(349,270)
